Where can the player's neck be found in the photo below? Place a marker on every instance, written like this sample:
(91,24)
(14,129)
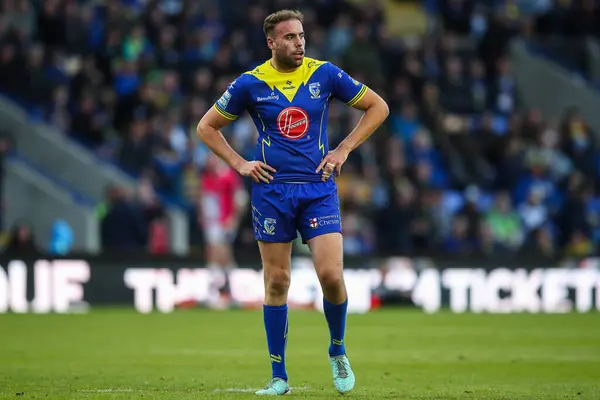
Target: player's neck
(279,68)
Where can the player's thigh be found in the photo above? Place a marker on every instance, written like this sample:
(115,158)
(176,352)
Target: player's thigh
(328,255)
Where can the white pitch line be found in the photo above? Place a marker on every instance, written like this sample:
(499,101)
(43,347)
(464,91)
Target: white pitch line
(230,390)
(235,390)
(250,390)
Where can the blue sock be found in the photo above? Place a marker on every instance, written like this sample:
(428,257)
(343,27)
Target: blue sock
(335,314)
(276,326)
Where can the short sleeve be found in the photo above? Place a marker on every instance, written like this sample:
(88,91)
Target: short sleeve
(232,102)
(344,87)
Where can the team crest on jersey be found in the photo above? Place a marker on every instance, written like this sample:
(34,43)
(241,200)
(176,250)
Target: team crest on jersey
(269,226)
(293,122)
(315,90)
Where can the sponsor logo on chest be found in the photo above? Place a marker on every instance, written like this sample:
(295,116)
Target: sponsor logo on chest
(272,96)
(293,122)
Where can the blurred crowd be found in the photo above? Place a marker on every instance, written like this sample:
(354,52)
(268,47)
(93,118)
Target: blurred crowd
(459,166)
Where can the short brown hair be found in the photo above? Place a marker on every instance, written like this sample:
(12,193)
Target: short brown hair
(280,16)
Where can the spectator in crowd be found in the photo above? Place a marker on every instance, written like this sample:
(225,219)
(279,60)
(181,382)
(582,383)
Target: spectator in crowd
(154,216)
(21,242)
(124,226)
(61,238)
(504,224)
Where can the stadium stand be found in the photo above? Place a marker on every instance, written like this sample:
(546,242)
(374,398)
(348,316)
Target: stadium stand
(461,166)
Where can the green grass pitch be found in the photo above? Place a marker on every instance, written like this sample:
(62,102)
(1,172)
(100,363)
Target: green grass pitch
(396,354)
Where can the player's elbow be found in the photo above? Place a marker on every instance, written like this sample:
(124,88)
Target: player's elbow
(203,130)
(380,110)
(383,107)
(378,106)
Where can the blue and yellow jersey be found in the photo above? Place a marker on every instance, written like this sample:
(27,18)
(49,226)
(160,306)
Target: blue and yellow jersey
(290,113)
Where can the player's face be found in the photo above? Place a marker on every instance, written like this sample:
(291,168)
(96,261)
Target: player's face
(288,44)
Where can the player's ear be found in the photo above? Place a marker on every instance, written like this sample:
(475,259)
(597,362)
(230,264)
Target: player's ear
(270,42)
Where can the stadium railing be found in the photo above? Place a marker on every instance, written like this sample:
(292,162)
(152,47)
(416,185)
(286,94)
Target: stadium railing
(544,85)
(593,53)
(41,200)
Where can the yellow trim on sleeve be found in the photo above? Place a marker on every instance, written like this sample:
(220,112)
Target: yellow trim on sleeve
(224,113)
(361,93)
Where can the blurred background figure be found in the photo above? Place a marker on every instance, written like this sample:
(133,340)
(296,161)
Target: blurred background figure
(21,242)
(153,216)
(124,226)
(61,239)
(222,203)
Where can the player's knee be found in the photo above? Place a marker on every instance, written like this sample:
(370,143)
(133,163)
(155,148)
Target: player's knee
(278,282)
(330,279)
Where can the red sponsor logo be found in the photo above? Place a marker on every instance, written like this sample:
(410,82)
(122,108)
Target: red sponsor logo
(293,123)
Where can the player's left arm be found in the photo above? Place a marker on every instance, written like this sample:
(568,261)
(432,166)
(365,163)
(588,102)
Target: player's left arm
(359,96)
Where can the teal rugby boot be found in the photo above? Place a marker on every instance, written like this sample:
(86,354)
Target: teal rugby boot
(277,387)
(343,377)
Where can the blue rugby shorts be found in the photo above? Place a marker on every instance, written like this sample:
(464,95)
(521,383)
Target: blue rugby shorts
(281,210)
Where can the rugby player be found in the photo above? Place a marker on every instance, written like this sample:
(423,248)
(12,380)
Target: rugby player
(288,98)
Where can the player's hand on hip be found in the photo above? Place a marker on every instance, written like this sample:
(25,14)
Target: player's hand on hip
(258,171)
(333,161)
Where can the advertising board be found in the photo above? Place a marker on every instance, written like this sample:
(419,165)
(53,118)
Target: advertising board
(65,286)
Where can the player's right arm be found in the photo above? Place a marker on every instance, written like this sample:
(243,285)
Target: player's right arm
(221,114)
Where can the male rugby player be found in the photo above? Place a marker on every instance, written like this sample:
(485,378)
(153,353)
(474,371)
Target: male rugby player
(288,97)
